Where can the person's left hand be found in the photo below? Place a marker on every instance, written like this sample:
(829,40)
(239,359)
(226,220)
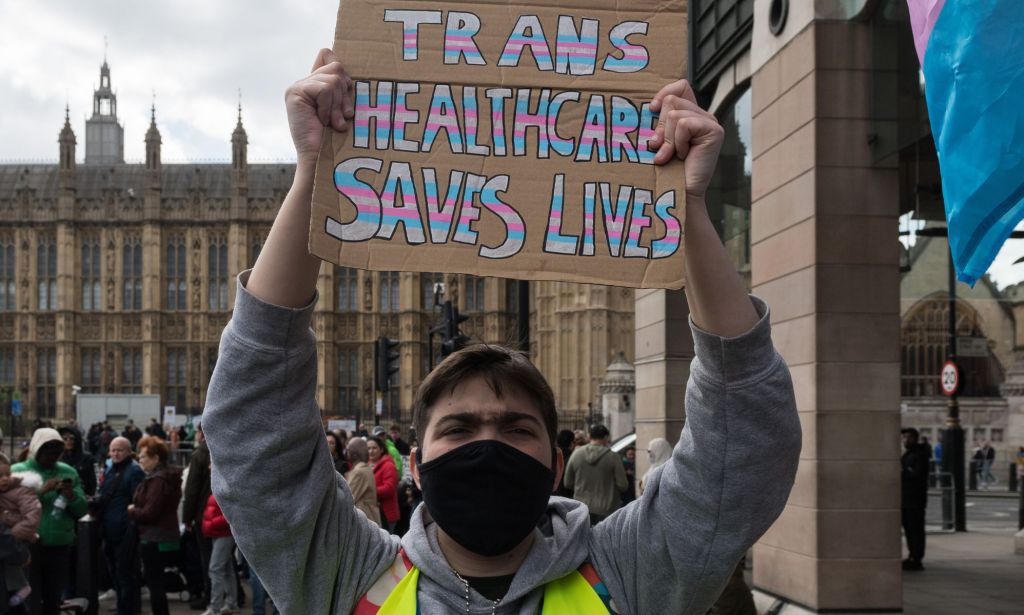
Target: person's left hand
(687,132)
(68,490)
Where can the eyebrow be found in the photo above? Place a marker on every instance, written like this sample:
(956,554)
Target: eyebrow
(505,417)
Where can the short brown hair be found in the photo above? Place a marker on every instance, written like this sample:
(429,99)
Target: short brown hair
(155,447)
(502,368)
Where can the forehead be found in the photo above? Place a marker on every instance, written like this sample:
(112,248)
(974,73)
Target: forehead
(476,396)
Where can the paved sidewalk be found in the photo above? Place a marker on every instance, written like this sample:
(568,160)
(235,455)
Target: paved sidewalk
(975,573)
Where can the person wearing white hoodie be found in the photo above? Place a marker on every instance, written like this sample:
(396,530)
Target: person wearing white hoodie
(63,502)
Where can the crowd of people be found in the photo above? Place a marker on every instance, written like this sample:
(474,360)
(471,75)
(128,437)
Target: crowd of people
(154,517)
(155,528)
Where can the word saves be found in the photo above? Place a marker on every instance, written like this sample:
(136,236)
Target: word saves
(452,212)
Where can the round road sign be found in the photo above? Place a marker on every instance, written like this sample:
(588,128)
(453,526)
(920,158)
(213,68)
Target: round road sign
(950,380)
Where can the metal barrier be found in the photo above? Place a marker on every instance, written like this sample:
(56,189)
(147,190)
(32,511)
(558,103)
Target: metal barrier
(181,456)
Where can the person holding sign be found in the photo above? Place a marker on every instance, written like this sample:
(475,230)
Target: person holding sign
(491,538)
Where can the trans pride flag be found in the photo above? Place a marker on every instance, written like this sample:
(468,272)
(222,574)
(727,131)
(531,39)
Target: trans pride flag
(972,55)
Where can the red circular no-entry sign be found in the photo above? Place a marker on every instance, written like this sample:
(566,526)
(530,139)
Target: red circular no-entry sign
(950,379)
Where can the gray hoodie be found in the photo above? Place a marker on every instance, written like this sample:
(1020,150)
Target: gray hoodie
(597,478)
(670,551)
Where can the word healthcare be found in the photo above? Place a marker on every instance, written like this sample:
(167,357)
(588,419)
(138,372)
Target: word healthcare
(612,131)
(507,139)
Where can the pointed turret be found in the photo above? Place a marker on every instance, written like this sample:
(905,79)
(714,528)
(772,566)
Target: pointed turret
(67,143)
(239,143)
(239,166)
(153,143)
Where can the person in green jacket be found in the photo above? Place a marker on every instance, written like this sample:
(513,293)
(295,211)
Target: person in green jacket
(63,504)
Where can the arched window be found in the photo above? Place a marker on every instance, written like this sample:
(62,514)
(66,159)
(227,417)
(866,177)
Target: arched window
(346,279)
(7,280)
(925,344)
(131,268)
(217,273)
(91,274)
(175,272)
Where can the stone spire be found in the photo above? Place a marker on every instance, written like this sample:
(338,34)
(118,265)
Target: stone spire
(153,142)
(67,143)
(239,142)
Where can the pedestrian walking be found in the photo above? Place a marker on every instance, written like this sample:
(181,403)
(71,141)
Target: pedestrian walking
(629,465)
(565,440)
(596,476)
(260,597)
(337,449)
(196,496)
(913,497)
(133,433)
(77,458)
(361,481)
(389,446)
(154,510)
(223,581)
(118,533)
(385,478)
(988,459)
(396,438)
(63,503)
(495,540)
(659,451)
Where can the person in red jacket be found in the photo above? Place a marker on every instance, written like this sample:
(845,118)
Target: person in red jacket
(154,509)
(386,476)
(223,586)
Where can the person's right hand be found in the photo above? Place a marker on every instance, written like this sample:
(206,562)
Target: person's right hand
(324,98)
(50,485)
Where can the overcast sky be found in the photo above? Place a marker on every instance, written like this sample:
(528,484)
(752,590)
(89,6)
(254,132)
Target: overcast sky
(195,54)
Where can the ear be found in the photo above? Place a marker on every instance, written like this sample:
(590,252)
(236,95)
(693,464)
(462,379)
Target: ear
(415,468)
(559,468)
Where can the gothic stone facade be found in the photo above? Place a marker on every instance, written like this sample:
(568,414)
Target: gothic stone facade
(119,278)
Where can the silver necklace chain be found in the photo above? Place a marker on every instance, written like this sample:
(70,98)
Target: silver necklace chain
(465,583)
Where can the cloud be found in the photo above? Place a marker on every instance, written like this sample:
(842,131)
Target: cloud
(194,54)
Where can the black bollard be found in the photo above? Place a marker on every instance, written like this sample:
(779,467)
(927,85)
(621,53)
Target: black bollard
(87,560)
(1011,481)
(1020,511)
(972,480)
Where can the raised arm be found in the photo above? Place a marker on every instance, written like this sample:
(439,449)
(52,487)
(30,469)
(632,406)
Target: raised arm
(717,298)
(285,272)
(672,550)
(272,474)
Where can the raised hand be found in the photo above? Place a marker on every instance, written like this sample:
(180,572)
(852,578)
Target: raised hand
(688,132)
(324,98)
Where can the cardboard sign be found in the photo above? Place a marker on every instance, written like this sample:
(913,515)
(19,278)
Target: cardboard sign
(505,139)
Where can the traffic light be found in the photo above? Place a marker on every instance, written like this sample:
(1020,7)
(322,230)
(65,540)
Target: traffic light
(385,362)
(452,339)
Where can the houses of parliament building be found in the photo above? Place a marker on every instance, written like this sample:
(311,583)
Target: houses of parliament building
(119,277)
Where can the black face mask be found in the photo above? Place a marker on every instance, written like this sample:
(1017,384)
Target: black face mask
(486,495)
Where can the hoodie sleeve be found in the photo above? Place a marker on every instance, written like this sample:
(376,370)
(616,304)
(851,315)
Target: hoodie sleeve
(292,514)
(672,550)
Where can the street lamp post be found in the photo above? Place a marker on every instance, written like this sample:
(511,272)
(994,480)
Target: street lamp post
(953,436)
